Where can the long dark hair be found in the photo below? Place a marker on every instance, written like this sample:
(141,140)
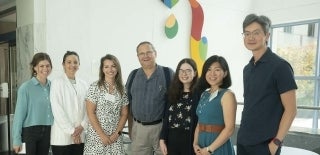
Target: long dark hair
(202,82)
(176,87)
(35,61)
(118,78)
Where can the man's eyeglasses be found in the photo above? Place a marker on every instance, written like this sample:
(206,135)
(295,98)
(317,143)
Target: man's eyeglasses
(148,53)
(253,34)
(187,71)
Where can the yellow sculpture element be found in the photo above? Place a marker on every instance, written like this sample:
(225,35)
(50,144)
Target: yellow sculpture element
(196,54)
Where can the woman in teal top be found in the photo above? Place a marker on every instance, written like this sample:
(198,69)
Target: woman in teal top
(216,109)
(33,116)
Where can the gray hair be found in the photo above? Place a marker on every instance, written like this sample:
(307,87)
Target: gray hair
(145,42)
(262,20)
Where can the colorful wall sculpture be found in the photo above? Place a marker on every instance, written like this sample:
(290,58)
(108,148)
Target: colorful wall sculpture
(198,43)
(171,27)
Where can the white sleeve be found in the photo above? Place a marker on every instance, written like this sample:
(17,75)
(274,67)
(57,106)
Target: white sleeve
(57,104)
(84,122)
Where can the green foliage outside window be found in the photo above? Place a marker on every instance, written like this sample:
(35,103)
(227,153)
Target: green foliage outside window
(302,60)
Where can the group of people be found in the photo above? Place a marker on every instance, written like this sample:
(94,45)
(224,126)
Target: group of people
(168,112)
(66,113)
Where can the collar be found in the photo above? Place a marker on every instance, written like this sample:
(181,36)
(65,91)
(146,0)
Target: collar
(66,77)
(213,94)
(264,58)
(35,81)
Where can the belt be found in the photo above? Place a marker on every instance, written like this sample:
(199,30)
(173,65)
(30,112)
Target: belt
(148,123)
(210,128)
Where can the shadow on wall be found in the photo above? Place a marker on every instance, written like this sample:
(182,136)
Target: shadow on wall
(294,139)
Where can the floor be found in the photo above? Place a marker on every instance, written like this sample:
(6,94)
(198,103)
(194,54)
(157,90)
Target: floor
(126,141)
(127,148)
(6,153)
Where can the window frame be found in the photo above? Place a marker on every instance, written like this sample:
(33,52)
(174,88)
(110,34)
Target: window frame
(315,77)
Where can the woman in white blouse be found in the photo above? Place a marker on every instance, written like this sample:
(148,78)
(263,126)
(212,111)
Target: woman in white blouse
(67,97)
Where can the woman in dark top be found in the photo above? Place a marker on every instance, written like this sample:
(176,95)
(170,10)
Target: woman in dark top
(177,132)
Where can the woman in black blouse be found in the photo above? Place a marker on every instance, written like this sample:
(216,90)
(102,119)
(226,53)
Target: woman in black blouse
(180,120)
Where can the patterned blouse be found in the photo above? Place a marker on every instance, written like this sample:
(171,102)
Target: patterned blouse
(180,113)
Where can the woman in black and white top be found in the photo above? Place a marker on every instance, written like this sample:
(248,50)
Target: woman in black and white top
(180,118)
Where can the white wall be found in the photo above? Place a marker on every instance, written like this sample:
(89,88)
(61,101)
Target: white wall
(95,28)
(28,17)
(284,11)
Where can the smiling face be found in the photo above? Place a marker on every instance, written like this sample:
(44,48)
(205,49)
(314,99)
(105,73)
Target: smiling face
(146,55)
(215,75)
(71,65)
(186,74)
(110,70)
(255,38)
(42,69)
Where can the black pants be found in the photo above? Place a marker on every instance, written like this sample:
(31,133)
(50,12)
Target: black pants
(37,139)
(179,142)
(73,149)
(258,149)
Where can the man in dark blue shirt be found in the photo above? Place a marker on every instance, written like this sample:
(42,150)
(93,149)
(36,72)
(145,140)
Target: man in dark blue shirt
(269,93)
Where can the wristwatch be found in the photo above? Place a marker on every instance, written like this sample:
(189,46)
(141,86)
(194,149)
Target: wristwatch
(277,141)
(209,150)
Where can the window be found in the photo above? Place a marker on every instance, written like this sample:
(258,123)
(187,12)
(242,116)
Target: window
(298,43)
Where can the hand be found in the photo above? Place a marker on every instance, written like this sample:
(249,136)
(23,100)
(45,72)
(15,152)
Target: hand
(163,147)
(204,151)
(105,139)
(77,131)
(197,149)
(114,136)
(17,149)
(272,148)
(77,140)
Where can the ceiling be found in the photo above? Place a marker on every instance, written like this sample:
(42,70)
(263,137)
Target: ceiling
(7,14)
(9,18)
(5,2)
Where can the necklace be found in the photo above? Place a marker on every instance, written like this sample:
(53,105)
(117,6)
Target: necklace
(111,87)
(73,83)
